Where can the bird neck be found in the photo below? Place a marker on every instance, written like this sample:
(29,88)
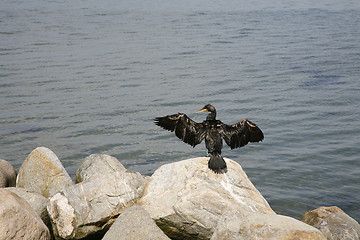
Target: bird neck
(211,116)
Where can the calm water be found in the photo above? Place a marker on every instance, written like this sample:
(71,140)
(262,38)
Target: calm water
(83,77)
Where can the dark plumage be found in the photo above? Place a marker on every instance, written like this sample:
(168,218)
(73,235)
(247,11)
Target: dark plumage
(213,131)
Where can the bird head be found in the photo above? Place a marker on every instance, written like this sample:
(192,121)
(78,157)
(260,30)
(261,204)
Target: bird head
(207,108)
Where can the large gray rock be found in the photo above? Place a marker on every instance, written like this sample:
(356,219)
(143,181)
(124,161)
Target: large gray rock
(187,199)
(18,220)
(7,174)
(43,173)
(92,206)
(135,223)
(241,225)
(35,200)
(96,166)
(333,222)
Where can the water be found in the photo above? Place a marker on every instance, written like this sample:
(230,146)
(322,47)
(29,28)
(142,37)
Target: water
(84,77)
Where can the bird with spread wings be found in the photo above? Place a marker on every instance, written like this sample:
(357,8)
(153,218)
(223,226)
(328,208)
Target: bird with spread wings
(213,131)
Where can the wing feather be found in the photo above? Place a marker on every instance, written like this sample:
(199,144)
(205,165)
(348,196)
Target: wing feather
(185,128)
(241,133)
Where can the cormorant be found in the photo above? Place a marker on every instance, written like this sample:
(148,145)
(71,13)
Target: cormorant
(192,133)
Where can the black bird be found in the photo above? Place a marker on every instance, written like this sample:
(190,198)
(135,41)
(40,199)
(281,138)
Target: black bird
(191,132)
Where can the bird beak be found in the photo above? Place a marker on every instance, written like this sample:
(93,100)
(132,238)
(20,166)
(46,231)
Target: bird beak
(202,110)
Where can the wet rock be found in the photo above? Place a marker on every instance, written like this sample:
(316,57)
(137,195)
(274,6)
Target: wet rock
(135,223)
(92,206)
(241,225)
(7,174)
(333,222)
(36,201)
(97,165)
(43,173)
(18,220)
(187,199)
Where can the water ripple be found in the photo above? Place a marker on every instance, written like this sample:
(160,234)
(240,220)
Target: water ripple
(91,78)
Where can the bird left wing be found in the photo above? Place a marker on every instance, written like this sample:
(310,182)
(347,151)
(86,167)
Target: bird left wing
(186,129)
(241,133)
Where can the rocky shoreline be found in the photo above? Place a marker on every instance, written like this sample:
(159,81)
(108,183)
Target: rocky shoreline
(181,200)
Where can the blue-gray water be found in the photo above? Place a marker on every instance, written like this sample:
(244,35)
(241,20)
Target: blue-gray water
(83,77)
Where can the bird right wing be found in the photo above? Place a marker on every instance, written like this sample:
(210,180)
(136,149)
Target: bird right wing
(241,133)
(186,129)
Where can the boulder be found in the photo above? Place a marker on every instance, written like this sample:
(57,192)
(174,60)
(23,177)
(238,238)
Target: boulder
(92,206)
(333,222)
(18,220)
(135,223)
(241,225)
(43,173)
(96,166)
(7,174)
(36,201)
(187,199)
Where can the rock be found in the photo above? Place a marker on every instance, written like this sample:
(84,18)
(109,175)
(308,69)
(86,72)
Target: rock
(187,199)
(18,220)
(43,173)
(92,206)
(36,201)
(333,222)
(97,165)
(135,223)
(7,174)
(241,225)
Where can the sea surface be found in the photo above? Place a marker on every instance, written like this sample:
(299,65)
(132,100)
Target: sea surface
(85,77)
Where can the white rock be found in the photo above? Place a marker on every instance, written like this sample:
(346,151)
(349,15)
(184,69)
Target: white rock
(7,174)
(63,215)
(35,200)
(97,165)
(188,198)
(241,225)
(135,224)
(43,173)
(18,220)
(333,222)
(91,206)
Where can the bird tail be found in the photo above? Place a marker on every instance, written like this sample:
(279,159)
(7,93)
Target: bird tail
(217,163)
